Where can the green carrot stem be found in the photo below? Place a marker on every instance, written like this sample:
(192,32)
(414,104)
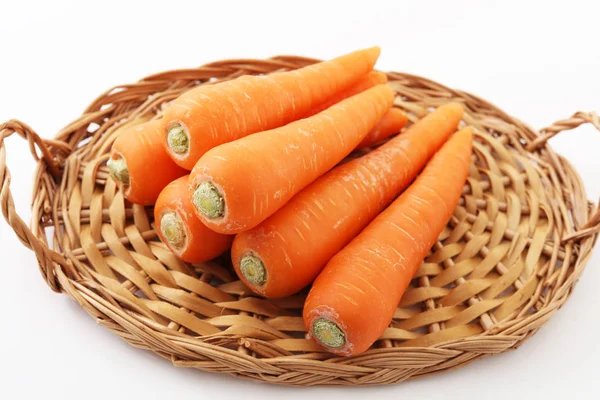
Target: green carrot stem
(172,229)
(328,333)
(209,201)
(253,269)
(178,139)
(117,168)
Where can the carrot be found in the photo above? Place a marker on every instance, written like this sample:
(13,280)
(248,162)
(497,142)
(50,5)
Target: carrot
(287,251)
(237,185)
(369,80)
(391,122)
(179,228)
(210,115)
(139,163)
(354,299)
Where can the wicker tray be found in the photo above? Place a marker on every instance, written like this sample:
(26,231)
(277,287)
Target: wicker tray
(508,259)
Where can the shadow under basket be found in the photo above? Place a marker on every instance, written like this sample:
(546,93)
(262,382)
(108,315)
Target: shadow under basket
(507,260)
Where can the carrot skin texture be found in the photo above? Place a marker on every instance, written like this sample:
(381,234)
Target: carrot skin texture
(200,244)
(361,286)
(149,166)
(253,186)
(296,242)
(391,123)
(368,81)
(221,113)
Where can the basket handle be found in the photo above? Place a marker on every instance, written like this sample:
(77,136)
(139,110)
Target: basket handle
(577,119)
(47,259)
(592,227)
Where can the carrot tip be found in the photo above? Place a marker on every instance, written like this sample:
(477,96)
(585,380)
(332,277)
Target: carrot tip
(328,333)
(178,139)
(117,168)
(171,227)
(209,201)
(253,270)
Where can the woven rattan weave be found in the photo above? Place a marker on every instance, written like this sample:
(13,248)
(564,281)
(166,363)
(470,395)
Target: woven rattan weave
(507,260)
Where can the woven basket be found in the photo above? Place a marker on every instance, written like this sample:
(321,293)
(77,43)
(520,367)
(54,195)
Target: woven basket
(508,259)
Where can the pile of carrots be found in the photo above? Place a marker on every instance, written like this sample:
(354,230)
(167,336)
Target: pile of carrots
(254,165)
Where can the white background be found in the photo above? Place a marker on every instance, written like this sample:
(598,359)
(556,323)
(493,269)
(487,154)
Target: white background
(537,61)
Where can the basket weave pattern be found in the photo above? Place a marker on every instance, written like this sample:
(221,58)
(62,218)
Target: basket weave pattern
(507,260)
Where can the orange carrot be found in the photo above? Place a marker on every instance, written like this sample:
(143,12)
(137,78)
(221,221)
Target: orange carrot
(391,122)
(210,115)
(287,251)
(354,299)
(181,230)
(369,80)
(139,163)
(237,185)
